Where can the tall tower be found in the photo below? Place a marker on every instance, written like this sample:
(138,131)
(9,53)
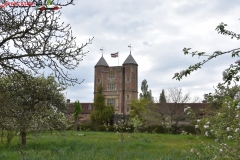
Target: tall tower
(120,83)
(130,91)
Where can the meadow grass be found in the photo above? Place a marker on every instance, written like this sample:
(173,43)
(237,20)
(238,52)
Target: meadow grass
(101,146)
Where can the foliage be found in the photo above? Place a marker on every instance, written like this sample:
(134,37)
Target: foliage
(101,113)
(147,94)
(36,39)
(136,123)
(77,110)
(215,100)
(223,121)
(223,125)
(162,98)
(31,104)
(138,108)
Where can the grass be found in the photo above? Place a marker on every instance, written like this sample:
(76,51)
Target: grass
(101,146)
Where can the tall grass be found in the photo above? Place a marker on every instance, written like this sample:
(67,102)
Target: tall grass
(101,146)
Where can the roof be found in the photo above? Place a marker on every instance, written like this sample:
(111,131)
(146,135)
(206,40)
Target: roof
(101,62)
(130,60)
(177,108)
(87,108)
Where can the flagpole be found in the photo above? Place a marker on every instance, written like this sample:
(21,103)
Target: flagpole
(118,58)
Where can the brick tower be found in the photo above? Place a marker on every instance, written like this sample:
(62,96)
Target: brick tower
(120,83)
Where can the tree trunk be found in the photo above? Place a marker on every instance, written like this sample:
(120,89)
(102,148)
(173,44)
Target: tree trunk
(24,137)
(76,124)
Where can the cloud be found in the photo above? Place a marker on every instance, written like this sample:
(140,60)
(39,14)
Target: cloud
(157,31)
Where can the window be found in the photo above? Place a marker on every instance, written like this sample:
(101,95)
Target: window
(89,107)
(111,102)
(127,109)
(127,96)
(98,80)
(111,75)
(127,79)
(111,86)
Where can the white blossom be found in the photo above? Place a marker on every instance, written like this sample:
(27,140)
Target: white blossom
(205,126)
(206,133)
(208,122)
(228,129)
(198,120)
(229,137)
(182,72)
(224,74)
(238,106)
(221,150)
(196,126)
(237,129)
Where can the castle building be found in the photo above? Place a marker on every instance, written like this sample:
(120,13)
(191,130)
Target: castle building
(120,83)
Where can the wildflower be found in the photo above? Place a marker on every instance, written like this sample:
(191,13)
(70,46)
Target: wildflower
(236,130)
(192,150)
(198,120)
(196,126)
(221,150)
(206,126)
(216,140)
(208,122)
(229,137)
(237,116)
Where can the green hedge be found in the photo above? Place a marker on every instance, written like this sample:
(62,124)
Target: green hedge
(149,129)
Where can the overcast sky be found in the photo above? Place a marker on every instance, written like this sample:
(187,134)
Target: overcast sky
(158,30)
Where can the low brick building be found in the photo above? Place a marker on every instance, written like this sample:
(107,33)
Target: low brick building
(87,108)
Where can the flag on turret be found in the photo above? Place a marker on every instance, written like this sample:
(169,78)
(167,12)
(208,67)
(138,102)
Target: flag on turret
(114,55)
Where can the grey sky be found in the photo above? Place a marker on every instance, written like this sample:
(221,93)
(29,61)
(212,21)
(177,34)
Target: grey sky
(158,31)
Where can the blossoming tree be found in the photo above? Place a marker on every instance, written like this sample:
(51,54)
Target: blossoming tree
(223,123)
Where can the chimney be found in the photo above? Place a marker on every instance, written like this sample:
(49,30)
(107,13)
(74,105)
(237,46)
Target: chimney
(68,100)
(204,101)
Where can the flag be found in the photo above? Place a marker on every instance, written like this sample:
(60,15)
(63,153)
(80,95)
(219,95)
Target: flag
(114,55)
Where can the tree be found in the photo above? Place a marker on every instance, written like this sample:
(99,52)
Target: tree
(216,100)
(101,113)
(223,122)
(77,110)
(162,98)
(172,112)
(31,104)
(145,111)
(35,39)
(230,74)
(147,94)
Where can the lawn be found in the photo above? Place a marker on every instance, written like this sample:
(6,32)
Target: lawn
(100,146)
